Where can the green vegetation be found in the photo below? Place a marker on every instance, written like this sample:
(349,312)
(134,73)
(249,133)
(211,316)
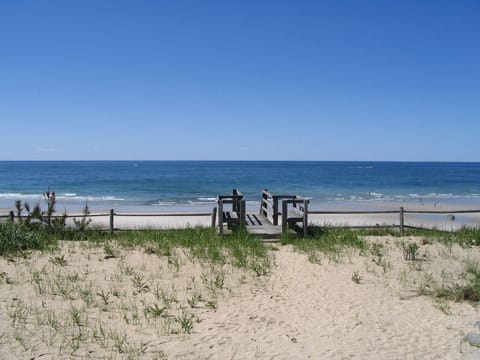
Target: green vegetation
(464,237)
(17,238)
(356,278)
(333,242)
(410,251)
(469,291)
(239,248)
(36,216)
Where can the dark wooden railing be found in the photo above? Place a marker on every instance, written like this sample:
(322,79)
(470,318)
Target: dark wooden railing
(235,218)
(269,198)
(297,214)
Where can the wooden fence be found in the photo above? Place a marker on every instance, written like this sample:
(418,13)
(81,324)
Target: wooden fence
(112,214)
(400,213)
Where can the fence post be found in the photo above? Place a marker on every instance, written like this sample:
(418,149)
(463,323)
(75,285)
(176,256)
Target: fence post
(305,218)
(284,216)
(111,221)
(401,221)
(262,199)
(214,217)
(11,216)
(275,210)
(220,217)
(243,213)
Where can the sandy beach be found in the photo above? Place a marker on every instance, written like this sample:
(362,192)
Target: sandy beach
(79,302)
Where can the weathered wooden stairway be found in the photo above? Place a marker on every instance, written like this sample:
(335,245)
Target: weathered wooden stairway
(263,224)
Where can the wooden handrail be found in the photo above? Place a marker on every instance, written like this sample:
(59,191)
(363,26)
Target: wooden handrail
(238,207)
(303,211)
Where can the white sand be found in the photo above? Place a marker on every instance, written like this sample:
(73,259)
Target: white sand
(156,222)
(300,310)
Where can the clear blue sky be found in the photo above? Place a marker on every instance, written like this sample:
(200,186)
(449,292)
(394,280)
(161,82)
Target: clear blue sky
(297,80)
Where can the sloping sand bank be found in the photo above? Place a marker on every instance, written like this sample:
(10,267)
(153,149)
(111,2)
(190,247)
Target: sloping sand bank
(376,305)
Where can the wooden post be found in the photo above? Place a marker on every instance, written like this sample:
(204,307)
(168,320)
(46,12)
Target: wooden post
(111,221)
(305,218)
(284,216)
(236,200)
(275,210)
(214,217)
(402,224)
(220,217)
(264,197)
(243,213)
(11,216)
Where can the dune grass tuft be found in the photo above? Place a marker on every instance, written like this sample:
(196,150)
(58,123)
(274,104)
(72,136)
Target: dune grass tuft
(240,248)
(333,242)
(16,238)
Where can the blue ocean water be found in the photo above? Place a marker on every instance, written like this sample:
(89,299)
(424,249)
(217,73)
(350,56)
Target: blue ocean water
(187,185)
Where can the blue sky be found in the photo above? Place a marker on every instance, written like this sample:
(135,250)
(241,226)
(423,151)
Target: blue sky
(295,80)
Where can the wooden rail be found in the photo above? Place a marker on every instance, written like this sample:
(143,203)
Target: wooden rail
(111,215)
(297,214)
(235,218)
(401,212)
(268,198)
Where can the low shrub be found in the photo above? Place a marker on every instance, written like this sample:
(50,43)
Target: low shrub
(15,238)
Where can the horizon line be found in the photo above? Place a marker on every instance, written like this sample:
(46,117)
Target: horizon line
(241,160)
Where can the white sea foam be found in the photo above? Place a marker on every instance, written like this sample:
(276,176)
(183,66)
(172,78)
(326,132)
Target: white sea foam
(66,196)
(165,203)
(19,196)
(89,198)
(206,199)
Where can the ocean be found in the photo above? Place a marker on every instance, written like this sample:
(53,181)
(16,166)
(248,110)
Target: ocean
(193,185)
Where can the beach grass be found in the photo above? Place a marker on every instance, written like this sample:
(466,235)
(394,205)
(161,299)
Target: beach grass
(333,242)
(240,248)
(17,238)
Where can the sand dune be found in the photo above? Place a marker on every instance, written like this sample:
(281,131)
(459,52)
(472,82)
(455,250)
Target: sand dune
(90,306)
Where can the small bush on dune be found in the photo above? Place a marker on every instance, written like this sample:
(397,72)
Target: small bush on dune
(35,215)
